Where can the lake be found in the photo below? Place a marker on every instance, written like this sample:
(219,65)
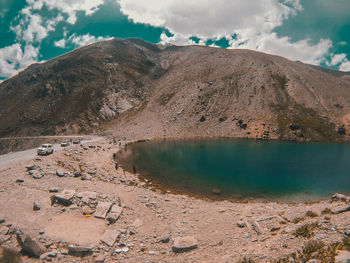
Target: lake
(243,169)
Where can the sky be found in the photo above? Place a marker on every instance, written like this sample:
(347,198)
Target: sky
(312,31)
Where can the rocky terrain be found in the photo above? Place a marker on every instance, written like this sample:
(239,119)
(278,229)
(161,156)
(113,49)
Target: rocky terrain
(77,206)
(134,89)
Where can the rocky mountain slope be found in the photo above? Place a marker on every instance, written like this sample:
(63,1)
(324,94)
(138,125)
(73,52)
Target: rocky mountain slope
(134,89)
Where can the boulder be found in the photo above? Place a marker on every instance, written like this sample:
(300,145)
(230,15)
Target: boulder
(36,174)
(184,244)
(29,245)
(342,257)
(63,198)
(114,214)
(109,237)
(79,251)
(102,209)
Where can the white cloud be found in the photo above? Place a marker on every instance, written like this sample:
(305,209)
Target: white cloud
(253,22)
(13,58)
(69,7)
(336,59)
(345,66)
(78,40)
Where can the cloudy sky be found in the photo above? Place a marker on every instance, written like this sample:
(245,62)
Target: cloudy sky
(311,31)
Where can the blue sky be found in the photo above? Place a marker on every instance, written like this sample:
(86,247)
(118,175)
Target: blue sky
(311,31)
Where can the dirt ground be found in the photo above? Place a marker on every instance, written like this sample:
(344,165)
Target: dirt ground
(149,224)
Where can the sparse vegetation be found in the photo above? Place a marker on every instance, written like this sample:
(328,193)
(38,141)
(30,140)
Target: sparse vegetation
(306,230)
(326,211)
(246,260)
(298,220)
(9,255)
(311,214)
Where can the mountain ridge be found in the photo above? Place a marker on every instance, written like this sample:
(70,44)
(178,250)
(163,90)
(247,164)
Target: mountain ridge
(131,88)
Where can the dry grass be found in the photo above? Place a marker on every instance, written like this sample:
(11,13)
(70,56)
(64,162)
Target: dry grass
(9,255)
(326,211)
(246,260)
(298,220)
(306,230)
(311,214)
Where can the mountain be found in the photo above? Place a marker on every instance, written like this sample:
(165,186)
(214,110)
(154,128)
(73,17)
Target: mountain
(130,88)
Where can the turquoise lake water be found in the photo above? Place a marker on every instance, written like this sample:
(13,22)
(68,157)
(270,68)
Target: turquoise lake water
(243,169)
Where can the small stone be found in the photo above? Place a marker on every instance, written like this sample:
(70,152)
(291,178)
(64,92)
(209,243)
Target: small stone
(275,227)
(87,210)
(19,180)
(241,224)
(36,206)
(60,173)
(36,174)
(125,249)
(164,239)
(152,253)
(100,259)
(2,219)
(86,177)
(79,251)
(48,255)
(53,190)
(184,244)
(31,167)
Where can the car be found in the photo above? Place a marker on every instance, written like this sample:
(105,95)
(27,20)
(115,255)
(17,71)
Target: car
(76,141)
(65,143)
(45,149)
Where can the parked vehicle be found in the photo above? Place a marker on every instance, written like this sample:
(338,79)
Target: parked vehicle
(65,143)
(45,149)
(76,141)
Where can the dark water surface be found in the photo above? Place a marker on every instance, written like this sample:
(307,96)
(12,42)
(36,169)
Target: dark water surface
(243,168)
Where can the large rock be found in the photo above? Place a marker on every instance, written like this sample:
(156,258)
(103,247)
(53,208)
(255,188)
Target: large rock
(114,214)
(63,198)
(102,209)
(79,251)
(109,237)
(29,245)
(184,244)
(36,174)
(342,257)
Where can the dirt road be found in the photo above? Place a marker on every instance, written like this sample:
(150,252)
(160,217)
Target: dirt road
(28,154)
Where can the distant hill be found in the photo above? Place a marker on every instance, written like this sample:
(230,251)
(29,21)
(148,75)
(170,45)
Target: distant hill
(130,88)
